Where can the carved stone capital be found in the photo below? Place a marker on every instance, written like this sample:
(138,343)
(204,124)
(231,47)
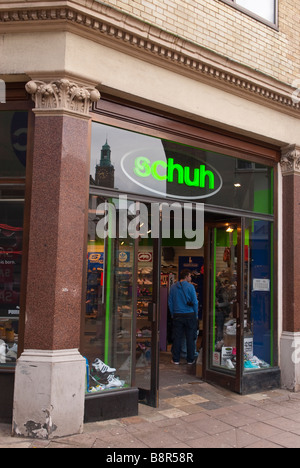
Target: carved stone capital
(62,95)
(290,160)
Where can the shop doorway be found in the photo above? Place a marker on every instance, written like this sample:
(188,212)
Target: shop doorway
(159,263)
(216,270)
(216,276)
(175,259)
(222,351)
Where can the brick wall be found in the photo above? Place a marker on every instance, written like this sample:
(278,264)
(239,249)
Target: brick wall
(223,29)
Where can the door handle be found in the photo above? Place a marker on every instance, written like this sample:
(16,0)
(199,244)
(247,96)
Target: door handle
(236,310)
(152,312)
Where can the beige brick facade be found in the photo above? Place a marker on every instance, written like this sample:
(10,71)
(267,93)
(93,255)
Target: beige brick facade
(217,26)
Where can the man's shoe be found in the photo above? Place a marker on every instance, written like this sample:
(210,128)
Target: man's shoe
(99,366)
(191,363)
(174,362)
(114,382)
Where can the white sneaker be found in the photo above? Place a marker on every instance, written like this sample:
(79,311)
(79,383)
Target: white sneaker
(229,364)
(3,349)
(114,382)
(99,366)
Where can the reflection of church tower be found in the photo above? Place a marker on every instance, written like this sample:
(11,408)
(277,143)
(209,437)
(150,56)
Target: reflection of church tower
(105,171)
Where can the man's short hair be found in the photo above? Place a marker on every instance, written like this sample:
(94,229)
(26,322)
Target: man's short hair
(184,274)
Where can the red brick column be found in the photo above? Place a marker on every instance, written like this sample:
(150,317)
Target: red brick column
(290,341)
(50,374)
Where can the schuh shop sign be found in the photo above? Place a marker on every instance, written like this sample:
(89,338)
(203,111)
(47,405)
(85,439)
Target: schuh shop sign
(193,180)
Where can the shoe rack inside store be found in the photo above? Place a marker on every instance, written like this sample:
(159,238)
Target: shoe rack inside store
(143,332)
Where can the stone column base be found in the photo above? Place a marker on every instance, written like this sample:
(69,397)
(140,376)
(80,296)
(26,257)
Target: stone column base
(290,361)
(49,394)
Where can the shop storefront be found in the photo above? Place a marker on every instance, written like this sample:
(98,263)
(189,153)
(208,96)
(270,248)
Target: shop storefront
(167,195)
(164,195)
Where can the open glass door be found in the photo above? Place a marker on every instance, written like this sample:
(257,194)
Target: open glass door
(147,312)
(223,299)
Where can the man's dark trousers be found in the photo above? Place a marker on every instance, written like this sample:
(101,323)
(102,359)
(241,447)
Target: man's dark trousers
(184,324)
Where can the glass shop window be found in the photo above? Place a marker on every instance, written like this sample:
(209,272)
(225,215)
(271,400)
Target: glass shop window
(108,331)
(13,146)
(258,296)
(258,308)
(131,163)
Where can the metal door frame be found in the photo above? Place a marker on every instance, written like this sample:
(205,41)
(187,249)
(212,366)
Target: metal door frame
(220,377)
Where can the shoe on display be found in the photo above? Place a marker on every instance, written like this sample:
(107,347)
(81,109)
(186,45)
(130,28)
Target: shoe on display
(100,366)
(98,388)
(249,365)
(229,364)
(3,349)
(264,365)
(219,345)
(196,273)
(11,355)
(123,334)
(114,382)
(14,348)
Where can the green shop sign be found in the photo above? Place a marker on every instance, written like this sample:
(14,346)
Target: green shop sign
(201,176)
(179,176)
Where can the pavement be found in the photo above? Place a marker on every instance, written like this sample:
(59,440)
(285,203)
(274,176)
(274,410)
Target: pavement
(191,415)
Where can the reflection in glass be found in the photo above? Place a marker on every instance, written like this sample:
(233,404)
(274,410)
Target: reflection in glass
(13,143)
(134,163)
(104,171)
(263,8)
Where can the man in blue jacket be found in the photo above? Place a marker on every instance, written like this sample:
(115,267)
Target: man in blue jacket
(183,305)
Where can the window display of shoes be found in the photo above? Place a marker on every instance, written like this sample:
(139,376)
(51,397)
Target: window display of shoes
(102,377)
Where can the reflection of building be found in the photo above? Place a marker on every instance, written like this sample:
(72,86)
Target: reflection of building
(105,171)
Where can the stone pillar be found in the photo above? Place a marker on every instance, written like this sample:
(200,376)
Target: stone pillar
(50,373)
(290,339)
